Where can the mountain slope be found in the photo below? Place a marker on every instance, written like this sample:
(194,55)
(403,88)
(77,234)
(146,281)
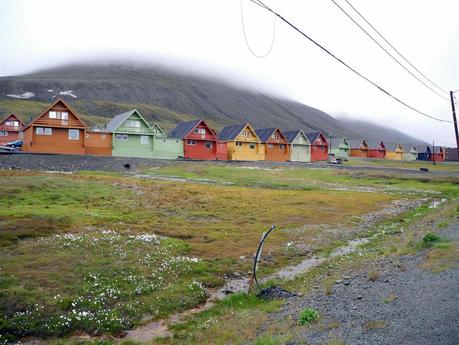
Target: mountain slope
(161,95)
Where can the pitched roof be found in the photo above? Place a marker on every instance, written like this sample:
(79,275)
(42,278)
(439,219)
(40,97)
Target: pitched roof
(183,129)
(312,137)
(118,120)
(393,146)
(354,143)
(59,100)
(230,132)
(291,135)
(336,142)
(15,116)
(265,133)
(375,144)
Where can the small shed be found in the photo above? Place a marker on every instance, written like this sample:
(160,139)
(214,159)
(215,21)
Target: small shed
(319,146)
(376,149)
(340,147)
(240,143)
(395,151)
(198,139)
(411,155)
(275,144)
(58,129)
(300,147)
(359,148)
(424,153)
(451,154)
(10,129)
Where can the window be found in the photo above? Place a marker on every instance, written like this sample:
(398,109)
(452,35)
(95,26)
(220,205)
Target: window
(144,139)
(270,146)
(198,130)
(3,133)
(133,124)
(64,116)
(246,134)
(121,137)
(293,145)
(275,136)
(74,134)
(102,136)
(53,114)
(252,146)
(208,145)
(12,123)
(59,115)
(281,146)
(191,142)
(43,131)
(238,143)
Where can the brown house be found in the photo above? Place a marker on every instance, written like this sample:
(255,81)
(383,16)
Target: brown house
(275,144)
(99,141)
(58,129)
(10,129)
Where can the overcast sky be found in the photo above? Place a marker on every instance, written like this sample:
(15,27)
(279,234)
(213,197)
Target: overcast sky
(207,35)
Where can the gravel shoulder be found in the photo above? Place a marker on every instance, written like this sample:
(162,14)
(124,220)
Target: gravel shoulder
(404,305)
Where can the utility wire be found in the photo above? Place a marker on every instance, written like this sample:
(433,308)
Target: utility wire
(395,49)
(262,5)
(387,52)
(247,41)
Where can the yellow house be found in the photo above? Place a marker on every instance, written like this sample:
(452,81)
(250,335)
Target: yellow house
(395,152)
(240,143)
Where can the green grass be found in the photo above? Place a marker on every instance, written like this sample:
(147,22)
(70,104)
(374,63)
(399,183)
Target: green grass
(415,165)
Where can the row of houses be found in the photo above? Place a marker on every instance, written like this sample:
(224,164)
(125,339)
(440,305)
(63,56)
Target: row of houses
(60,130)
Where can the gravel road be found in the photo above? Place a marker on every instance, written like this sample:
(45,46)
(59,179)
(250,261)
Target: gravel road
(405,305)
(117,164)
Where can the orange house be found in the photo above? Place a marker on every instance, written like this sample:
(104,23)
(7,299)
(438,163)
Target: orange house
(58,129)
(98,142)
(276,144)
(10,129)
(359,148)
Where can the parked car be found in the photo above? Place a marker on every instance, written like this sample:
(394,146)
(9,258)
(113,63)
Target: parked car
(334,160)
(15,144)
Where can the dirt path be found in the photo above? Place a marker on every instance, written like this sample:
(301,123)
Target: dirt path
(405,305)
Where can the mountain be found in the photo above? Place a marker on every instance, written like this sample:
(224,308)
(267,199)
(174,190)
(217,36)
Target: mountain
(163,95)
(370,130)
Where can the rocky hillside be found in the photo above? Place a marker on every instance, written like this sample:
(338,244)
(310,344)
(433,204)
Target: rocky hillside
(100,91)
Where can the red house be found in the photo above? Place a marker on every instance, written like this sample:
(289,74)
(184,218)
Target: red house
(376,150)
(319,146)
(10,129)
(439,154)
(199,140)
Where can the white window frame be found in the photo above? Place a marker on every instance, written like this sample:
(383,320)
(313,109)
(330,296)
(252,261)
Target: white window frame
(191,142)
(48,131)
(281,146)
(3,133)
(52,114)
(76,134)
(145,140)
(121,137)
(208,145)
(252,146)
(270,146)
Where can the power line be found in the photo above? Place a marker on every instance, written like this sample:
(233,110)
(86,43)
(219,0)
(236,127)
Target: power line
(387,52)
(262,5)
(395,49)
(247,41)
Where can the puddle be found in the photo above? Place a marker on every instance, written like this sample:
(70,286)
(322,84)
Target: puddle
(159,329)
(437,202)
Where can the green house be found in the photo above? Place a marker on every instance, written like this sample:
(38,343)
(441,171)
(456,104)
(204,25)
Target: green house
(132,136)
(300,147)
(340,147)
(411,155)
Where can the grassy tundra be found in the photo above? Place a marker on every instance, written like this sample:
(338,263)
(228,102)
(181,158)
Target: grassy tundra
(103,252)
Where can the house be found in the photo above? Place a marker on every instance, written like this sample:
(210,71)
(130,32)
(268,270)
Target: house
(319,146)
(451,154)
(240,143)
(132,136)
(10,129)
(199,140)
(340,147)
(300,147)
(275,144)
(58,129)
(395,151)
(424,153)
(411,155)
(376,149)
(98,141)
(439,154)
(359,148)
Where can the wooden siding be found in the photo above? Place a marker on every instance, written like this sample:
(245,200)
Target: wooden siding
(277,148)
(58,142)
(11,133)
(98,143)
(319,149)
(200,146)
